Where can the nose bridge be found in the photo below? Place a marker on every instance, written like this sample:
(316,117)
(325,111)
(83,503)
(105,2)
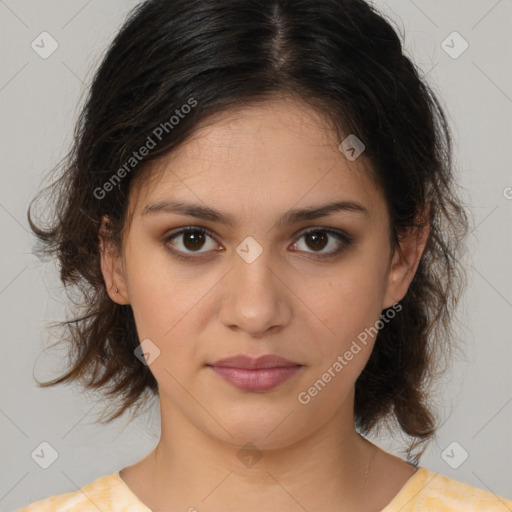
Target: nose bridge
(253,265)
(254,302)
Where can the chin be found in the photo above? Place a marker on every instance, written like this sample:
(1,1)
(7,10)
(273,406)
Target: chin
(271,432)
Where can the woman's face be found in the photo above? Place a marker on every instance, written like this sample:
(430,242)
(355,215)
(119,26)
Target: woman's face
(261,284)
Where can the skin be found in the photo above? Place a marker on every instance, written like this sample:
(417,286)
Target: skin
(256,163)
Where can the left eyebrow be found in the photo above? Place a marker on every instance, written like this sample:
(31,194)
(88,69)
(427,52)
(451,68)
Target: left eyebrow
(290,217)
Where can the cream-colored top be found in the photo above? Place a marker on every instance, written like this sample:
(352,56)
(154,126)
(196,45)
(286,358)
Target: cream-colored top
(424,491)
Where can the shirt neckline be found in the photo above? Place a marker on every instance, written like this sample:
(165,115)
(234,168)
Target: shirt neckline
(410,490)
(399,501)
(129,495)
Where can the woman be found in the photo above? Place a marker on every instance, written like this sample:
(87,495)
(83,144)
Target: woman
(260,210)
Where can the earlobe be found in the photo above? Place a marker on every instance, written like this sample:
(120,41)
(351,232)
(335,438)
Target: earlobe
(112,267)
(404,264)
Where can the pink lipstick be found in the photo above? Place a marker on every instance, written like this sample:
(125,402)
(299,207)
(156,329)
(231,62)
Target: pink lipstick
(256,374)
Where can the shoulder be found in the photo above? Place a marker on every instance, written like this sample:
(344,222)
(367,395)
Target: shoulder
(97,495)
(429,491)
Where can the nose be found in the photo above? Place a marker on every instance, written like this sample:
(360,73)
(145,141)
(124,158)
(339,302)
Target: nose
(255,298)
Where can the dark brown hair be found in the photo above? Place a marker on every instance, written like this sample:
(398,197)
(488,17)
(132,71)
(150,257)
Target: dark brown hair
(340,56)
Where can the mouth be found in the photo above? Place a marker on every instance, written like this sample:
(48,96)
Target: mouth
(259,374)
(256,380)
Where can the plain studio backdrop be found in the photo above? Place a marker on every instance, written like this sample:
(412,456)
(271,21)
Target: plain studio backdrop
(464,49)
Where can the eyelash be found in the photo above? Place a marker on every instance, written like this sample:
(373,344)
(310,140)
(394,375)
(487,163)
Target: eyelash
(341,236)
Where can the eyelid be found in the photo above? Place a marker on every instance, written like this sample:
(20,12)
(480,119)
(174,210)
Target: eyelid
(180,231)
(343,238)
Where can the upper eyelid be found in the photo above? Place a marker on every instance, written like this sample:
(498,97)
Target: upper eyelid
(299,234)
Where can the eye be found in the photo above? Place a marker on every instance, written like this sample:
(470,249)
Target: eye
(192,239)
(318,239)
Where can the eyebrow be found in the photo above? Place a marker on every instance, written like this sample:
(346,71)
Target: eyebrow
(290,217)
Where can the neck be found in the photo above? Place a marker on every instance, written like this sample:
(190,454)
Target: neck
(191,468)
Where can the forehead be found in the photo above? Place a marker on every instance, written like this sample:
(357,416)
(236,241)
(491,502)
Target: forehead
(280,151)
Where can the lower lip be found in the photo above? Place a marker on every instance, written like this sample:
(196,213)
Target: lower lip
(263,379)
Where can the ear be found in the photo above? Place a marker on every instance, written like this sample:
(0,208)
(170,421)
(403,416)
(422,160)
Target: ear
(112,266)
(404,263)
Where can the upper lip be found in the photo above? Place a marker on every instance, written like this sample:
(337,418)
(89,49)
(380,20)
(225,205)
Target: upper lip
(248,362)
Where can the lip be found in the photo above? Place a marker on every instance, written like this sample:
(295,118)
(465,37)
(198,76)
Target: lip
(256,374)
(255,363)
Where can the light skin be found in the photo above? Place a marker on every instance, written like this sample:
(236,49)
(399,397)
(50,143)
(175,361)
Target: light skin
(256,163)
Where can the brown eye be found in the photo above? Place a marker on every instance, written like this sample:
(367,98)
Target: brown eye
(187,243)
(193,240)
(189,240)
(319,238)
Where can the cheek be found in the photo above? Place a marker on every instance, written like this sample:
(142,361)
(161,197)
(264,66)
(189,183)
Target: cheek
(342,345)
(349,305)
(352,299)
(160,298)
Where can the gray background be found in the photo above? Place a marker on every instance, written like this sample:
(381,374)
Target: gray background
(40,100)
